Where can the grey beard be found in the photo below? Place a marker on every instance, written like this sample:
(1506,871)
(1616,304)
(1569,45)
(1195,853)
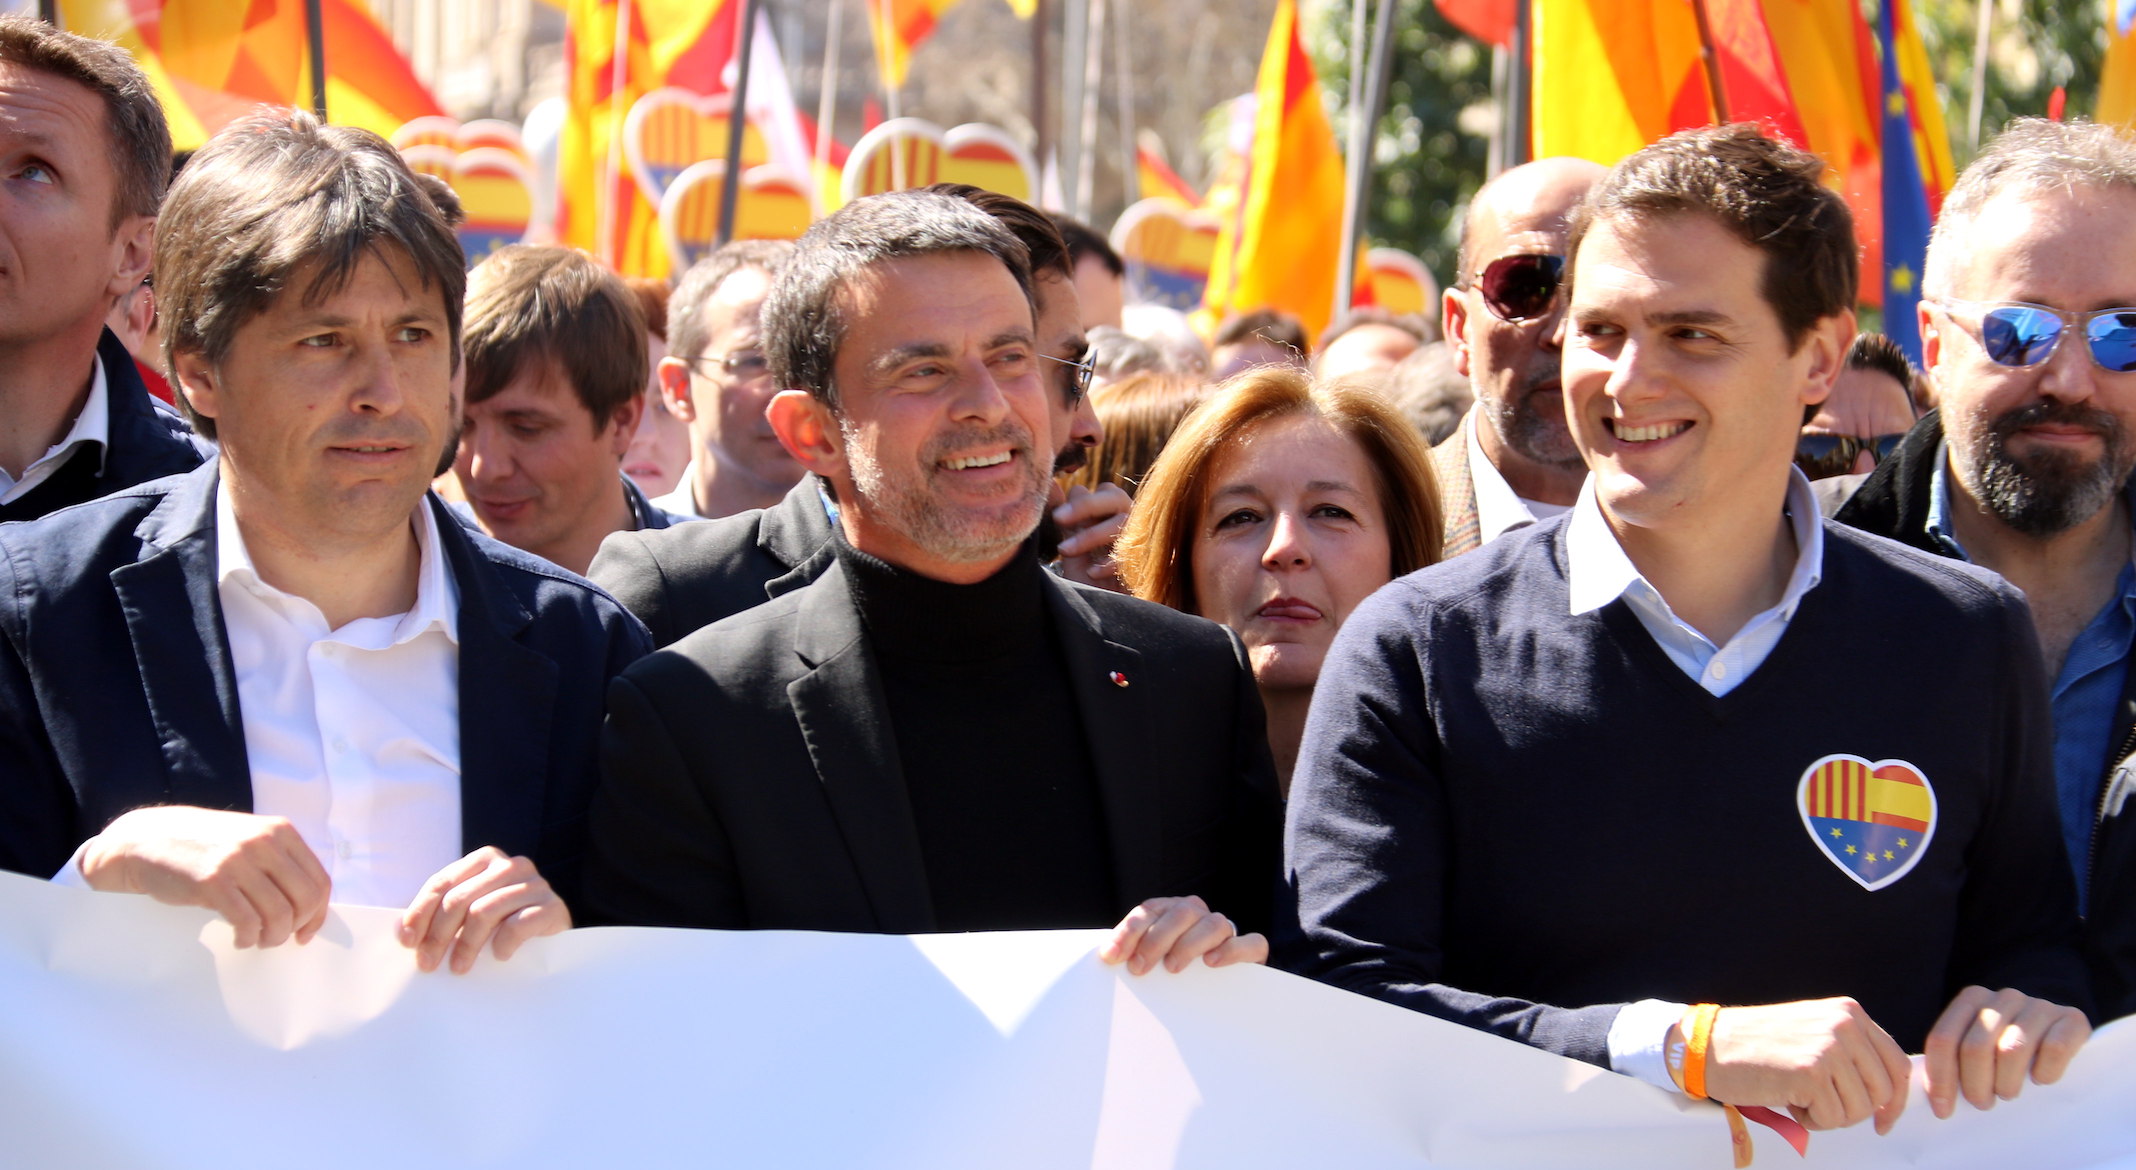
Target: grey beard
(2045,494)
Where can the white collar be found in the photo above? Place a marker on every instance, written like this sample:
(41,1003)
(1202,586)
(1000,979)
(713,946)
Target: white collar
(1499,509)
(437,596)
(1598,571)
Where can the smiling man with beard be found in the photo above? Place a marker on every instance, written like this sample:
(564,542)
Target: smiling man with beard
(2029,334)
(936,734)
(1512,461)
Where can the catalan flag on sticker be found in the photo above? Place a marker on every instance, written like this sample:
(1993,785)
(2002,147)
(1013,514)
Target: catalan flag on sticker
(1872,820)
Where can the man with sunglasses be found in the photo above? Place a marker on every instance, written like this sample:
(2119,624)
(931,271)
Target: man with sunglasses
(2029,335)
(1692,746)
(1511,462)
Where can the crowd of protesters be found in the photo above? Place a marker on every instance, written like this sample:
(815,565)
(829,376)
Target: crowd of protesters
(1508,667)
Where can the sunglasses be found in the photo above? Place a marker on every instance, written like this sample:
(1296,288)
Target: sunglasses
(1521,288)
(1823,456)
(1085,368)
(2019,335)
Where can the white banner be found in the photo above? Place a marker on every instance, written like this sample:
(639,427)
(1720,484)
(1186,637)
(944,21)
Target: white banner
(133,1035)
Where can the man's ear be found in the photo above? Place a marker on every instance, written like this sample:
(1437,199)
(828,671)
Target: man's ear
(133,250)
(1828,342)
(197,380)
(674,375)
(808,430)
(623,425)
(1453,322)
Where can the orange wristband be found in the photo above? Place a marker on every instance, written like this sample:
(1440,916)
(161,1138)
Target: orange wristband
(1698,1039)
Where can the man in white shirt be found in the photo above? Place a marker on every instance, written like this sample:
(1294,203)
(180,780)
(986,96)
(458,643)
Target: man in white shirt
(1512,461)
(84,157)
(291,675)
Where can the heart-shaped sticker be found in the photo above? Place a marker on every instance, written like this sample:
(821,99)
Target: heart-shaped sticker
(670,128)
(1872,820)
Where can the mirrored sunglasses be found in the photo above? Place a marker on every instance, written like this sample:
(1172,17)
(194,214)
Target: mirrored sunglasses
(1521,288)
(2019,335)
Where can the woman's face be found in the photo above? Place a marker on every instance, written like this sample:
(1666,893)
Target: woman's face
(1290,538)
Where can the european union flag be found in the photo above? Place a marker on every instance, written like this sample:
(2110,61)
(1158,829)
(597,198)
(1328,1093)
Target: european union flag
(1905,198)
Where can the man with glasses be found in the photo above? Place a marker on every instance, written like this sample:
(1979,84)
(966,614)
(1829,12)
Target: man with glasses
(1871,408)
(1512,462)
(2029,335)
(715,380)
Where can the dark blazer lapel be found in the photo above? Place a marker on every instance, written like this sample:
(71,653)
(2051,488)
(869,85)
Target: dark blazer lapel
(845,722)
(1116,722)
(507,698)
(796,533)
(182,652)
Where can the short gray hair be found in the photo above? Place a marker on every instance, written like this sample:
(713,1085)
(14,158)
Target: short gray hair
(805,315)
(686,336)
(2030,155)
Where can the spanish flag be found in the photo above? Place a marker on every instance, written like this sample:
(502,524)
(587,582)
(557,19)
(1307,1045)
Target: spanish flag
(1611,76)
(1157,180)
(685,43)
(212,62)
(1280,249)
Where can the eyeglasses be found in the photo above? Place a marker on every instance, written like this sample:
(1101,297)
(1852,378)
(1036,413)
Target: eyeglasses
(1521,288)
(1086,368)
(743,365)
(1822,456)
(2018,334)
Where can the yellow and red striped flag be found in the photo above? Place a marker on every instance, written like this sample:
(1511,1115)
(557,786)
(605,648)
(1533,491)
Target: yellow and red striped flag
(1612,76)
(214,62)
(1281,247)
(1156,179)
(685,43)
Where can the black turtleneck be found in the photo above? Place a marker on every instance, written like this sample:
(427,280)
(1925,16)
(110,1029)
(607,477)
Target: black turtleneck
(991,746)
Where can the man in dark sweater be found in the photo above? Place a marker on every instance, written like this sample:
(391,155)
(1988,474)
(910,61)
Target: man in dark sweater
(2026,469)
(85,155)
(1688,745)
(936,734)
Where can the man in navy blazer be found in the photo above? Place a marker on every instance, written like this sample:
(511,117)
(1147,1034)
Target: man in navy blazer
(87,154)
(291,674)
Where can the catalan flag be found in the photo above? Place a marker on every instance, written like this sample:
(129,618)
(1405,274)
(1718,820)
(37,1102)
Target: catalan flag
(212,62)
(615,53)
(1280,248)
(1829,57)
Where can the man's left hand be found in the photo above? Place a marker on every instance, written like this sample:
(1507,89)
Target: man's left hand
(485,898)
(1090,520)
(1987,1042)
(1177,931)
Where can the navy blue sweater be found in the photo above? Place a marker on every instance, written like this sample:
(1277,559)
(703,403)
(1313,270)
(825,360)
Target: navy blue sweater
(1519,819)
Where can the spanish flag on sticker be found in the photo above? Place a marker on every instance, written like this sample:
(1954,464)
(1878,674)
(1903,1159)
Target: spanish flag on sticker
(1872,820)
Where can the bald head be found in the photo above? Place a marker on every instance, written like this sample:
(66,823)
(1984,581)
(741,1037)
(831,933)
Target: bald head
(1538,195)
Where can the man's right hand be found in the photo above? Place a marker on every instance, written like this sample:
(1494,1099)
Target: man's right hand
(253,870)
(1824,1060)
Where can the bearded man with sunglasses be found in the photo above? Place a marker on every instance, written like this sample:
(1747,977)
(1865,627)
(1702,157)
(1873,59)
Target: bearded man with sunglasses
(1511,462)
(2029,334)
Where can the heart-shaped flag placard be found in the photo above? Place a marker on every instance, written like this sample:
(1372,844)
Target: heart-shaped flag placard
(670,128)
(913,152)
(770,206)
(1167,249)
(1872,820)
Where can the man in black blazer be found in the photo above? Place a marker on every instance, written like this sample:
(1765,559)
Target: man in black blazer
(936,735)
(291,674)
(95,153)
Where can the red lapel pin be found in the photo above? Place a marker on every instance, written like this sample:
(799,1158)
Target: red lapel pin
(1118,679)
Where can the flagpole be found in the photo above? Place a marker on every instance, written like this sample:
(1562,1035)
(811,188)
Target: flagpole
(315,36)
(1980,75)
(1041,127)
(1124,73)
(1520,118)
(1075,47)
(827,99)
(1715,91)
(737,121)
(1086,178)
(48,11)
(1365,99)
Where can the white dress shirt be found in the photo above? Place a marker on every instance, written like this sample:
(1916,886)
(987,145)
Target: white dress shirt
(1598,572)
(1499,509)
(92,425)
(683,500)
(353,734)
